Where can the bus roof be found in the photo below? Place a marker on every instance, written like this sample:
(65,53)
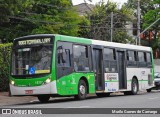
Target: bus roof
(93,41)
(109,44)
(121,45)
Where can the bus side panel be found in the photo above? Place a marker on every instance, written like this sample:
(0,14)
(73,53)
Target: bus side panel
(142,75)
(68,85)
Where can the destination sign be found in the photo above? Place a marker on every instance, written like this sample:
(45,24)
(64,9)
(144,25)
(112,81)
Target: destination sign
(34,41)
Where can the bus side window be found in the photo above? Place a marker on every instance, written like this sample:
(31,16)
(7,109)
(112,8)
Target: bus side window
(60,55)
(131,58)
(81,60)
(149,59)
(142,59)
(63,57)
(110,64)
(148,56)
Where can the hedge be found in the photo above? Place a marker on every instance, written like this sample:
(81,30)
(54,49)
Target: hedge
(5,55)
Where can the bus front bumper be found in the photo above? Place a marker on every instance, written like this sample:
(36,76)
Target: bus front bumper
(49,88)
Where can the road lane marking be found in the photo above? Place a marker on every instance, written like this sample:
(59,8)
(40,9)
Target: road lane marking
(153,98)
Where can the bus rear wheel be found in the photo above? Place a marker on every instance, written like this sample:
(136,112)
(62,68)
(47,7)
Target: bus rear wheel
(82,90)
(43,98)
(134,87)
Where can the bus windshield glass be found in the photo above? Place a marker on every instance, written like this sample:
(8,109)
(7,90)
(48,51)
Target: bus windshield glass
(32,60)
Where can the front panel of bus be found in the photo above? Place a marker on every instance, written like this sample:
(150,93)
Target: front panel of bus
(31,66)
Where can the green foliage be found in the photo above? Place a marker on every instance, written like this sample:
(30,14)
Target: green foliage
(100,20)
(151,16)
(122,37)
(144,5)
(7,8)
(40,16)
(83,27)
(5,52)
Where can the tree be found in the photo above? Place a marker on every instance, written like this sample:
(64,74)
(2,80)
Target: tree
(41,16)
(84,27)
(144,5)
(7,8)
(151,16)
(101,22)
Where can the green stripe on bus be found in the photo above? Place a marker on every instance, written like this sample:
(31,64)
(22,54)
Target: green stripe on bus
(111,81)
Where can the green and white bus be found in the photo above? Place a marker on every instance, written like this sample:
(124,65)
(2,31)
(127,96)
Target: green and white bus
(49,65)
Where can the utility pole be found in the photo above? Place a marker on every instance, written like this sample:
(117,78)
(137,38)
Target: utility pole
(138,23)
(111,26)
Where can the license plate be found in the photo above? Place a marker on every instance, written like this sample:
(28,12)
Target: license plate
(28,91)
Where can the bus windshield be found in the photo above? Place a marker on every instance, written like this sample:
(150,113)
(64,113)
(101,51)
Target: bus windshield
(32,60)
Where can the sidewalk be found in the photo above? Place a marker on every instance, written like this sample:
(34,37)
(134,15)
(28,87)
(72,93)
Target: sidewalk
(6,100)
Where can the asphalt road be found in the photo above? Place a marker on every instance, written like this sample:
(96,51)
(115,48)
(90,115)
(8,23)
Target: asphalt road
(142,100)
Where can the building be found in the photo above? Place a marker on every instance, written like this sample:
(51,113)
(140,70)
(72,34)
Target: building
(84,8)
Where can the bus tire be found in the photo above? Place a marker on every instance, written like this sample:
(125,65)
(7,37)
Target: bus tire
(82,90)
(43,98)
(103,94)
(149,90)
(134,87)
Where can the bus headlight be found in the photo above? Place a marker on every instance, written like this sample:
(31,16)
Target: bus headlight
(47,81)
(12,82)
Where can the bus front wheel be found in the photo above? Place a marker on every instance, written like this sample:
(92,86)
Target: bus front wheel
(82,90)
(43,98)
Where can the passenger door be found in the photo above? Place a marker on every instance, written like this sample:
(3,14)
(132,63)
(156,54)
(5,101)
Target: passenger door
(122,70)
(98,69)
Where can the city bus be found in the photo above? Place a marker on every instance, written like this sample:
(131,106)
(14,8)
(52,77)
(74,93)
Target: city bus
(50,65)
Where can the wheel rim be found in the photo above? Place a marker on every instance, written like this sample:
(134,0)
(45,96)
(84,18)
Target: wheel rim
(82,89)
(135,86)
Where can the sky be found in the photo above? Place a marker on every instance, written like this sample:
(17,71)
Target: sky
(120,2)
